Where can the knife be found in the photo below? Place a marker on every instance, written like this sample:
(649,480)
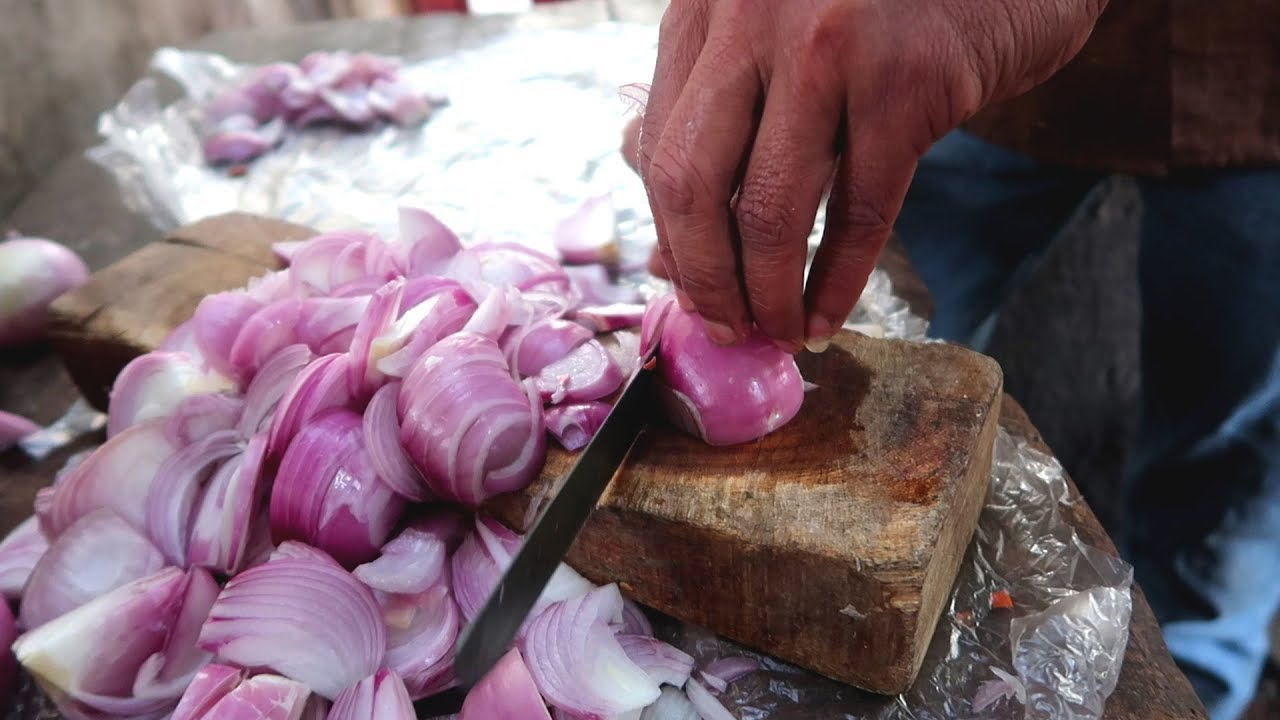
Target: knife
(489,636)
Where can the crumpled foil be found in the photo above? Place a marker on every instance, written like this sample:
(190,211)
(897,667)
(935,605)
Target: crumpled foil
(532,128)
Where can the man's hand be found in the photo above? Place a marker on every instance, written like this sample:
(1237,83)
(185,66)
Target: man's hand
(757,106)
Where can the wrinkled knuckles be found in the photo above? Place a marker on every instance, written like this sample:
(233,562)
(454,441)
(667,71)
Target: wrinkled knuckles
(676,184)
(764,225)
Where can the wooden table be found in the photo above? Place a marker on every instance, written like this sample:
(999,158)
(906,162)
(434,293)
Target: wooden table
(78,204)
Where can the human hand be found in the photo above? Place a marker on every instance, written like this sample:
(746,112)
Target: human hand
(756,106)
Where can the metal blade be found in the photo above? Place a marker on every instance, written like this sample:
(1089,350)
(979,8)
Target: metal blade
(489,636)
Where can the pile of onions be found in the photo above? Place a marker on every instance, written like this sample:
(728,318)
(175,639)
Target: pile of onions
(355,90)
(281,521)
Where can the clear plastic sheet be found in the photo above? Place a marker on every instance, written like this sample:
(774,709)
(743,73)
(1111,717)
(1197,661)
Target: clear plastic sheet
(532,129)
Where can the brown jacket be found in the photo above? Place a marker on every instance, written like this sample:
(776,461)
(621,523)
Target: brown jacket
(1160,85)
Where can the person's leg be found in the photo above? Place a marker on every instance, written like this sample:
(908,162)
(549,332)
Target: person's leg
(1204,477)
(976,219)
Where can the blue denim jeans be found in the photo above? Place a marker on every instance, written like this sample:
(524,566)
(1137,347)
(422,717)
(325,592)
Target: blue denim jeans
(1202,521)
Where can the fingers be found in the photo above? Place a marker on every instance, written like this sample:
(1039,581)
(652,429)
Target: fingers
(693,174)
(874,172)
(791,163)
(680,41)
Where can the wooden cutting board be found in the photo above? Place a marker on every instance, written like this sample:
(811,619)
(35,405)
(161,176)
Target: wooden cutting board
(832,543)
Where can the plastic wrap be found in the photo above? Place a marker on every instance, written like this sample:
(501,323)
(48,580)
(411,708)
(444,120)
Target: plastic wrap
(532,128)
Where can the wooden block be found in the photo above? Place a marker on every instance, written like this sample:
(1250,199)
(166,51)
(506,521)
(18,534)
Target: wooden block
(832,543)
(129,308)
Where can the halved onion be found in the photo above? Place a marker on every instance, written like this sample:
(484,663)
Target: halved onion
(303,617)
(576,661)
(466,424)
(328,494)
(506,691)
(725,394)
(575,424)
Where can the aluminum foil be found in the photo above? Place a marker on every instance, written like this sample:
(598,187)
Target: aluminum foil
(532,128)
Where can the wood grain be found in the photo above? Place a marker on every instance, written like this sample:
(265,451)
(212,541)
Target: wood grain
(832,543)
(128,308)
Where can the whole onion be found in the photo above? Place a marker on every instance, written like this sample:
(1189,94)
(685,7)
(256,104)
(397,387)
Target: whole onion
(33,271)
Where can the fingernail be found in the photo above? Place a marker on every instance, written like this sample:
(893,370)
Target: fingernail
(720,334)
(788,346)
(683,301)
(820,332)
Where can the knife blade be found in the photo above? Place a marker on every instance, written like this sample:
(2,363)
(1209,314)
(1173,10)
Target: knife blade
(489,636)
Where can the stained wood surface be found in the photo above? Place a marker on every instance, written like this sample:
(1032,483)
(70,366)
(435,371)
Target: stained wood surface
(832,543)
(102,229)
(130,307)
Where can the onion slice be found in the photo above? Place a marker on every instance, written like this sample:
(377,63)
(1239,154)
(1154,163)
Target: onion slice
(506,691)
(587,373)
(152,386)
(607,318)
(574,425)
(532,347)
(720,673)
(178,481)
(410,564)
(577,662)
(664,663)
(87,659)
(116,476)
(303,617)
(381,696)
(223,524)
(587,236)
(382,440)
(199,416)
(97,554)
(271,383)
(708,707)
(431,243)
(20,550)
(383,309)
(320,386)
(672,705)
(421,639)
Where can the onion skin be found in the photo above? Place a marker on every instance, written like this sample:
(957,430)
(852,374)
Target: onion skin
(725,395)
(33,272)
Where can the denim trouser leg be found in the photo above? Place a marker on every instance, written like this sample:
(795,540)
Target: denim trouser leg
(974,222)
(1203,515)
(1204,477)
